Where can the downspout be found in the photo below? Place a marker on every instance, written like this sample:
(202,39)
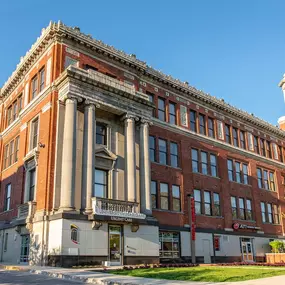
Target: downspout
(2,246)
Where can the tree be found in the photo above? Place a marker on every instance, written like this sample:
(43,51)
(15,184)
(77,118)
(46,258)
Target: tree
(277,246)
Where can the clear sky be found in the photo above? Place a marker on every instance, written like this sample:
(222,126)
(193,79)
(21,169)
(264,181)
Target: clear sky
(232,49)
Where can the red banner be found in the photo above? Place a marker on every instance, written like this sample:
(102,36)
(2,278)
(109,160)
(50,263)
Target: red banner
(193,216)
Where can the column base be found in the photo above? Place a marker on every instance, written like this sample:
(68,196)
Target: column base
(87,211)
(67,209)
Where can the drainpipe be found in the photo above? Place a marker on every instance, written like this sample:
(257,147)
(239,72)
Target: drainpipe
(2,246)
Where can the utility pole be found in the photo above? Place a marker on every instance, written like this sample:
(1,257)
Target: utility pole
(192,222)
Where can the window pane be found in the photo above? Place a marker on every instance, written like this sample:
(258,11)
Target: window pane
(161,109)
(193,125)
(153,194)
(152,148)
(176,198)
(174,154)
(195,163)
(230,170)
(204,162)
(213,160)
(172,113)
(211,132)
(101,183)
(238,176)
(202,129)
(100,134)
(162,151)
(245,173)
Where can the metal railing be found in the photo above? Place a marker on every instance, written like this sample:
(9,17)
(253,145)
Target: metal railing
(116,208)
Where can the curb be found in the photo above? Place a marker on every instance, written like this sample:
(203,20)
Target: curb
(13,267)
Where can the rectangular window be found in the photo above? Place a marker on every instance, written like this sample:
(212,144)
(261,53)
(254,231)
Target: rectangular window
(238,172)
(250,141)
(241,209)
(161,109)
(9,116)
(153,194)
(272,181)
(151,99)
(42,79)
(6,242)
(15,110)
(217,208)
(220,130)
(202,126)
(32,185)
(265,180)
(280,153)
(152,152)
(6,155)
(230,170)
(276,214)
(204,162)
(262,147)
(235,137)
(101,183)
(101,137)
(197,198)
(255,142)
(164,202)
(263,212)
(268,149)
(248,210)
(70,61)
(213,161)
(242,139)
(17,145)
(174,154)
(245,173)
(172,114)
(207,203)
(195,160)
(169,245)
(234,207)
(162,149)
(228,134)
(193,125)
(211,128)
(7,202)
(176,205)
(270,214)
(20,103)
(11,152)
(34,133)
(34,87)
(259,178)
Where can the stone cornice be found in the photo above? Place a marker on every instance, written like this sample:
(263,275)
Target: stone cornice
(60,30)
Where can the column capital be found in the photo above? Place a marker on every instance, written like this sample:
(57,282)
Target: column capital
(129,116)
(71,97)
(146,121)
(88,103)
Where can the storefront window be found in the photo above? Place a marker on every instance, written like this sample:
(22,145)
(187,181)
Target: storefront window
(168,245)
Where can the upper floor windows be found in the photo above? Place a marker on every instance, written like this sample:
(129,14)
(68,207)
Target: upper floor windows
(270,213)
(268,149)
(207,203)
(14,109)
(101,136)
(7,201)
(38,83)
(204,162)
(161,109)
(193,125)
(152,148)
(162,149)
(174,154)
(11,152)
(228,134)
(255,143)
(202,124)
(235,137)
(101,183)
(34,133)
(241,208)
(211,128)
(242,139)
(151,99)
(237,171)
(265,179)
(172,113)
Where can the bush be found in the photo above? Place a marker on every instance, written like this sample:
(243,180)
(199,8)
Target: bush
(277,246)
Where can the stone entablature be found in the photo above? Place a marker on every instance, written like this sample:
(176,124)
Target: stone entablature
(60,31)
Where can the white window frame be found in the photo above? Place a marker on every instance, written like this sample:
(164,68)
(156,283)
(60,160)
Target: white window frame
(32,133)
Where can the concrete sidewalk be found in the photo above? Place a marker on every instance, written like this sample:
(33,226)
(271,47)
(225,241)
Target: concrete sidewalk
(102,278)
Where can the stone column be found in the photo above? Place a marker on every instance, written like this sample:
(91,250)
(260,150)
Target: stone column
(88,160)
(130,158)
(69,156)
(145,176)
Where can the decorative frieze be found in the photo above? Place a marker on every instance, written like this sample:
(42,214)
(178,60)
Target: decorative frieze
(183,116)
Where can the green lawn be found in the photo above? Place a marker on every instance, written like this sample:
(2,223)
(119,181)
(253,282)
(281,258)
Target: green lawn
(205,273)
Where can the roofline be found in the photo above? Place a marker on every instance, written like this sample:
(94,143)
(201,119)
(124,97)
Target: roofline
(131,60)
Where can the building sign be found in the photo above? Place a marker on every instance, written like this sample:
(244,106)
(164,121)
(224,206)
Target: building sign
(121,219)
(237,226)
(183,116)
(193,217)
(217,243)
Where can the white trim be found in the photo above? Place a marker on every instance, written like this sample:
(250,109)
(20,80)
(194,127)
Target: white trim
(23,127)
(46,107)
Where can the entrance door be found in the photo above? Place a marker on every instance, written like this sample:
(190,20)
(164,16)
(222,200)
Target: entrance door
(115,252)
(206,251)
(247,252)
(25,249)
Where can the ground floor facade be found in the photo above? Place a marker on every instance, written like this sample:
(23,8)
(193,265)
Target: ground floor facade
(68,240)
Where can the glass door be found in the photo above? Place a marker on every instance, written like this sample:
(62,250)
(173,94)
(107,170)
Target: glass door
(25,249)
(247,251)
(115,252)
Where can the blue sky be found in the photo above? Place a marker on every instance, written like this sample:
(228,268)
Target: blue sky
(231,49)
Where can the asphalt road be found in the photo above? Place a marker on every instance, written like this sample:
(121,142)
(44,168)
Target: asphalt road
(23,278)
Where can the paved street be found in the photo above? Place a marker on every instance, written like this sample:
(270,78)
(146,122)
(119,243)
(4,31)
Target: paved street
(23,278)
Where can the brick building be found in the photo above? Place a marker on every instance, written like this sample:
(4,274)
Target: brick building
(100,154)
